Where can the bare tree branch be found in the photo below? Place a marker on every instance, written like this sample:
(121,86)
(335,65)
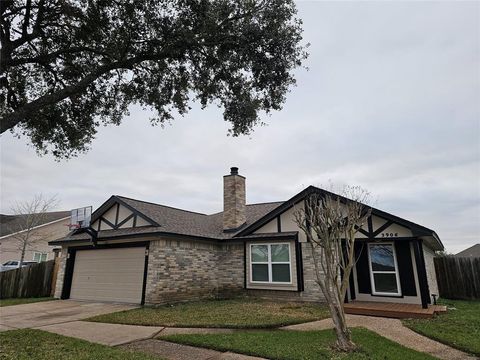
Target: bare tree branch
(330,223)
(30,214)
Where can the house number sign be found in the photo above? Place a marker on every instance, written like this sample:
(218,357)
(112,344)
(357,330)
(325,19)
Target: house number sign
(389,234)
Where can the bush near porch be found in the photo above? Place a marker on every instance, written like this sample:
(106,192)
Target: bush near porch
(459,327)
(237,313)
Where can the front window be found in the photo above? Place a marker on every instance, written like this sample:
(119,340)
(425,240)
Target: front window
(39,257)
(270,263)
(384,269)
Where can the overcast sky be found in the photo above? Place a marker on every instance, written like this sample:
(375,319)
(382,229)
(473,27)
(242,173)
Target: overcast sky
(391,102)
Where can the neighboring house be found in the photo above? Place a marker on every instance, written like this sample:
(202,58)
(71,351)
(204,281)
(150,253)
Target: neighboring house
(155,254)
(12,227)
(472,251)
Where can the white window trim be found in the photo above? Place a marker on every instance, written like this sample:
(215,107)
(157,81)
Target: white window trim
(41,253)
(397,275)
(269,263)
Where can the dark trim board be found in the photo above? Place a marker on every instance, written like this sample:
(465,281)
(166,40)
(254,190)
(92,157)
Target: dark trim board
(299,265)
(70,265)
(67,279)
(145,234)
(145,272)
(245,265)
(421,272)
(129,217)
(115,200)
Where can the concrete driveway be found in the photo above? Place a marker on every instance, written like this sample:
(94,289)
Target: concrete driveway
(53,312)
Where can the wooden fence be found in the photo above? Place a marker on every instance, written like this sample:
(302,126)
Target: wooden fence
(35,280)
(457,277)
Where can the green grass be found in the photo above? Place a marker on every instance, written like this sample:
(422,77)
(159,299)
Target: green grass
(238,313)
(458,328)
(301,345)
(10,302)
(28,344)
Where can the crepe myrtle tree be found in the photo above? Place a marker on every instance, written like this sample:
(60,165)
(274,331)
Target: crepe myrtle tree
(68,66)
(330,223)
(30,214)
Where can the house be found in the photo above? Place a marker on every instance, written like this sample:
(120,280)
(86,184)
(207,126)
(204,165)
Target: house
(154,254)
(50,226)
(472,251)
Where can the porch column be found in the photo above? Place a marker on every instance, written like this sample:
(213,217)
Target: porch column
(421,272)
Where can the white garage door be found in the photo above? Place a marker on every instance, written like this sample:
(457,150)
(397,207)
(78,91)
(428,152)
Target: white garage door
(109,275)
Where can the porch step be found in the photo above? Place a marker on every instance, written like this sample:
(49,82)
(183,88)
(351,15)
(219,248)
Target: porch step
(392,310)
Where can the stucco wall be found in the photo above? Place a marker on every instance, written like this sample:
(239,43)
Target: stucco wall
(428,255)
(38,242)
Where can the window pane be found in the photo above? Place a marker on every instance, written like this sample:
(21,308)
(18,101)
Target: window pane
(36,257)
(259,253)
(280,253)
(381,257)
(44,257)
(260,272)
(386,283)
(280,272)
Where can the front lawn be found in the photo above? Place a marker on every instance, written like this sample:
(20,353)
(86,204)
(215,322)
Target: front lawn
(458,328)
(28,344)
(19,301)
(301,345)
(238,313)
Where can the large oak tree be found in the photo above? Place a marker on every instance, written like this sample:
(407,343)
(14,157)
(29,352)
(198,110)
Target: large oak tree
(68,66)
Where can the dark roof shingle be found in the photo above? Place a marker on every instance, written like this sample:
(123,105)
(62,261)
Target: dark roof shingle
(10,224)
(182,222)
(472,251)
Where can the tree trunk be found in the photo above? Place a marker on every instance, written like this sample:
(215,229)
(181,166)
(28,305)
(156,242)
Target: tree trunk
(344,339)
(22,256)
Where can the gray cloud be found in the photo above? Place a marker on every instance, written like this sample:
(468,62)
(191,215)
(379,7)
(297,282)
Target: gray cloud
(391,103)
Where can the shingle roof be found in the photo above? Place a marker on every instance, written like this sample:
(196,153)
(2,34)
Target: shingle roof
(472,251)
(10,224)
(182,222)
(186,222)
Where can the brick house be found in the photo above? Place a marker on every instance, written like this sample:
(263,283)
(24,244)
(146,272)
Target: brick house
(154,254)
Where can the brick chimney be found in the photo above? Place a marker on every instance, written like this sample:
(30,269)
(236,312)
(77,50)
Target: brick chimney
(234,200)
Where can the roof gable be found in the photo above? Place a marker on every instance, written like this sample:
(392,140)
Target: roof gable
(115,214)
(389,224)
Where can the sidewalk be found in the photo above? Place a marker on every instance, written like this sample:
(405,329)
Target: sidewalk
(143,338)
(392,329)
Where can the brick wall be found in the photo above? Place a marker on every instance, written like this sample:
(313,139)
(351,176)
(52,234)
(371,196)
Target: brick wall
(61,273)
(185,270)
(182,270)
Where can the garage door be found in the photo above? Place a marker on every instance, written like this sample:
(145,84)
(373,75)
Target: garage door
(109,275)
